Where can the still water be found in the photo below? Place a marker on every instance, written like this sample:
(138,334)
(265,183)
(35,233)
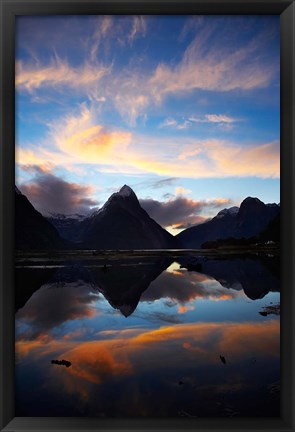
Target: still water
(148,337)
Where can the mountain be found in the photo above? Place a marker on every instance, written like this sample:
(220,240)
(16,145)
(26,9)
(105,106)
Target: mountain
(32,230)
(249,220)
(272,231)
(253,217)
(123,224)
(68,226)
(219,227)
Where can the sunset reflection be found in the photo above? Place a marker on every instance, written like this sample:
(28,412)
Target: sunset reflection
(167,352)
(96,360)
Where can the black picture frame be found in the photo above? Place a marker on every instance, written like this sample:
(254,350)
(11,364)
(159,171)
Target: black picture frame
(9,10)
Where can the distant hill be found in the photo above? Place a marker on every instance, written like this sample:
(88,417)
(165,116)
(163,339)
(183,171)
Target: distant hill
(249,220)
(32,230)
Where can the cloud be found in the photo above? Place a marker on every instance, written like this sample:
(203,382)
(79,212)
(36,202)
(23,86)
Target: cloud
(223,158)
(58,73)
(51,194)
(139,27)
(180,211)
(80,138)
(118,30)
(209,62)
(171,122)
(254,160)
(215,66)
(224,121)
(182,191)
(218,118)
(103,26)
(83,139)
(214,118)
(164,182)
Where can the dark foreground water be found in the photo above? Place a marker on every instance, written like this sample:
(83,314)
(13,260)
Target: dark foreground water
(146,337)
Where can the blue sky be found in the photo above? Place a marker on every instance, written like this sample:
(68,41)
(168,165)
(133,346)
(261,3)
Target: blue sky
(184,109)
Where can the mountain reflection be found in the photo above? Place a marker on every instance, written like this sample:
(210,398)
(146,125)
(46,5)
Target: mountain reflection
(167,353)
(124,283)
(256,276)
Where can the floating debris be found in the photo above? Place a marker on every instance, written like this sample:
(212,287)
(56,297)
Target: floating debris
(274,389)
(61,362)
(222,359)
(227,409)
(268,310)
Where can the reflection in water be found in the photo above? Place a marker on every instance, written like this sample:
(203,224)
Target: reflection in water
(256,276)
(193,344)
(123,285)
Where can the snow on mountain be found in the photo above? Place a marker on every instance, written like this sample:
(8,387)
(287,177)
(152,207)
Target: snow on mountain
(230,211)
(126,191)
(63,217)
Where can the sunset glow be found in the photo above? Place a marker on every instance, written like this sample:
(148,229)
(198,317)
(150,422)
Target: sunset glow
(165,104)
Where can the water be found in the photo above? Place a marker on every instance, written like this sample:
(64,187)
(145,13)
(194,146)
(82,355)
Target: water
(148,338)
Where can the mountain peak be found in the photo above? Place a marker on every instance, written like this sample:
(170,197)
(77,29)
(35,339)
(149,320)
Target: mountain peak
(126,191)
(252,200)
(251,204)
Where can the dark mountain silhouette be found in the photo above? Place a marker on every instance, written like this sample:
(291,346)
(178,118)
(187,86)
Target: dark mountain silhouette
(270,234)
(123,224)
(218,227)
(272,231)
(249,220)
(253,217)
(32,230)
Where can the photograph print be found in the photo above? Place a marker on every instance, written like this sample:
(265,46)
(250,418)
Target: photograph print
(147,216)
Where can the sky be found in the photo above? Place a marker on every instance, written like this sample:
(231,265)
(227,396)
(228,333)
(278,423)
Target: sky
(183,109)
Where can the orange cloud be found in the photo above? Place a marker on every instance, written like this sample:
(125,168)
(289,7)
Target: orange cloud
(78,138)
(82,140)
(183,309)
(195,345)
(230,159)
(259,338)
(96,361)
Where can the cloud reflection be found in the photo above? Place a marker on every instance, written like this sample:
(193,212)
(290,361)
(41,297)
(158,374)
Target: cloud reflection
(144,353)
(54,304)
